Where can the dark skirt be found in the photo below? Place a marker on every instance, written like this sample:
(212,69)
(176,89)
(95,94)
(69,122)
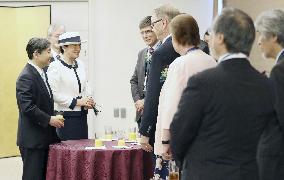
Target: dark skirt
(75,126)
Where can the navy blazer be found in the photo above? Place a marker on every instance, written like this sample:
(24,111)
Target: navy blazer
(161,59)
(35,108)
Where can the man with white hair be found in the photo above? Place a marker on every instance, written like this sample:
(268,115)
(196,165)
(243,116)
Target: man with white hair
(53,33)
(270,28)
(161,59)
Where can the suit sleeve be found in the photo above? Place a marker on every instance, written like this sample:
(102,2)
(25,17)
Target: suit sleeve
(277,77)
(134,82)
(154,85)
(27,101)
(187,119)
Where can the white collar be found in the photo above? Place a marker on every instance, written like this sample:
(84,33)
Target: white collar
(278,55)
(228,56)
(39,70)
(54,53)
(166,38)
(158,43)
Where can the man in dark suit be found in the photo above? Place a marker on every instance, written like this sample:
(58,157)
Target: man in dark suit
(161,59)
(36,127)
(139,77)
(223,110)
(270,28)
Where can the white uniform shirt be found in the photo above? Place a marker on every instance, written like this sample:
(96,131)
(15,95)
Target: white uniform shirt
(64,84)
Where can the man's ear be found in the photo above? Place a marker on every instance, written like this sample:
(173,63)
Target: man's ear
(274,38)
(35,54)
(219,38)
(165,22)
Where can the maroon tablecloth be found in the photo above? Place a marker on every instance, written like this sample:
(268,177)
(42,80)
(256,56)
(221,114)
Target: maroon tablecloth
(69,160)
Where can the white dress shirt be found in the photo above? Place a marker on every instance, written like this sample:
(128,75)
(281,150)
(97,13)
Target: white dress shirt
(41,73)
(64,84)
(54,54)
(228,56)
(278,55)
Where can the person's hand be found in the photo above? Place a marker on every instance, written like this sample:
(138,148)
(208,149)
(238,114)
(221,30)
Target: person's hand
(91,103)
(56,121)
(87,102)
(139,104)
(145,144)
(167,153)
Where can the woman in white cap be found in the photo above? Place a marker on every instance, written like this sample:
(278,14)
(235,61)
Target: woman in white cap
(68,82)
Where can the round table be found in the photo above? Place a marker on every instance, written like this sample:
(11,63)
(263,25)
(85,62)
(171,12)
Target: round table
(69,160)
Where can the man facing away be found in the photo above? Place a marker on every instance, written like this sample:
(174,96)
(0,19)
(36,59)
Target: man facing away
(139,77)
(36,126)
(223,110)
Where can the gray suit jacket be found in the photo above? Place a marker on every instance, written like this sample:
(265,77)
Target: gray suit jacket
(138,78)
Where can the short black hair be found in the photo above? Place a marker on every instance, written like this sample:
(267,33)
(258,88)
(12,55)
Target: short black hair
(36,45)
(61,48)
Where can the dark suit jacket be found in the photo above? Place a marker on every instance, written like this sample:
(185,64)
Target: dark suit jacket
(204,47)
(220,118)
(35,108)
(271,145)
(162,58)
(138,78)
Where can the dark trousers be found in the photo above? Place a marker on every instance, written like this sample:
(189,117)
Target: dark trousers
(34,163)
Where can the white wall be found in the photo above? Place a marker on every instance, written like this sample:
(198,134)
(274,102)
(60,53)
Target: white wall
(72,14)
(114,44)
(111,27)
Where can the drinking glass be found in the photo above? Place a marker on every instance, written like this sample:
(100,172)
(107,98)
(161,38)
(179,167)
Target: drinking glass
(173,170)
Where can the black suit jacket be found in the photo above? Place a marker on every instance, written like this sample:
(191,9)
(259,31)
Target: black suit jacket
(35,108)
(138,78)
(272,140)
(204,47)
(220,118)
(271,145)
(161,59)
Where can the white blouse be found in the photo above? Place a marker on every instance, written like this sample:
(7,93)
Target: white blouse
(64,84)
(180,70)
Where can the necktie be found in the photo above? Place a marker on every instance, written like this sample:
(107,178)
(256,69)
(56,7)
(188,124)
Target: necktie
(45,82)
(151,51)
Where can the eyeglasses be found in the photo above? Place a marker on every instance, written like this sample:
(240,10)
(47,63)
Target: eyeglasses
(153,23)
(146,32)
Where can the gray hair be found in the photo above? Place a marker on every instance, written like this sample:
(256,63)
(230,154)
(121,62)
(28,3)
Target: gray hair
(145,22)
(36,45)
(271,23)
(166,10)
(52,28)
(237,28)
